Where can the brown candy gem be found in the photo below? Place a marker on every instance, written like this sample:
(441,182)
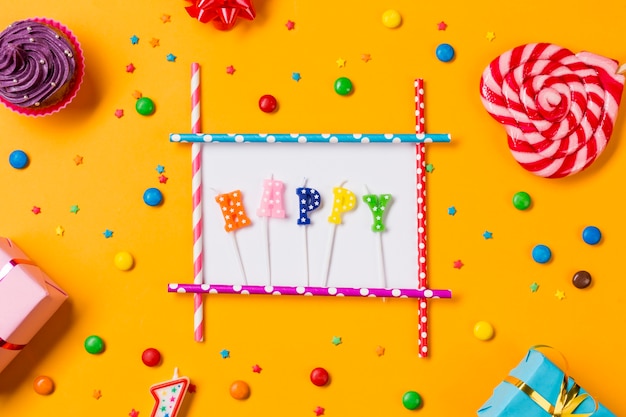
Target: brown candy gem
(581,279)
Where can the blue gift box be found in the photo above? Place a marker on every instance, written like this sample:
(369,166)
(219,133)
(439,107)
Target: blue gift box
(534,388)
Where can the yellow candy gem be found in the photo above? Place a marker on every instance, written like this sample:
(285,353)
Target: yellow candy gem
(483,330)
(123,261)
(391,19)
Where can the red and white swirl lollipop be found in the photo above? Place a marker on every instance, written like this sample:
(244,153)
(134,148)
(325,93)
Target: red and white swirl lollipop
(558,108)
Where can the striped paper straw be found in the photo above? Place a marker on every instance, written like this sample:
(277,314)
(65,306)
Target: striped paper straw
(420,159)
(196,190)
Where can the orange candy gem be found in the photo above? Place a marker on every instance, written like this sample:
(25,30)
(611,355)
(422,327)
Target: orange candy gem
(239,390)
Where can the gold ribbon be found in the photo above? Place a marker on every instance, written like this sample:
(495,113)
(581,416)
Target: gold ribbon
(567,401)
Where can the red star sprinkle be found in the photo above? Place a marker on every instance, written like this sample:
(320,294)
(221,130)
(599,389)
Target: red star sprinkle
(230,70)
(130,68)
(36,210)
(133,413)
(191,388)
(319,411)
(290,25)
(163,179)
(257,369)
(119,113)
(442,25)
(458,264)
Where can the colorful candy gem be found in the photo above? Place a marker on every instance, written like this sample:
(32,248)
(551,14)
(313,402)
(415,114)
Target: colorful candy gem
(581,279)
(18,159)
(444,52)
(343,86)
(268,103)
(123,261)
(541,254)
(592,235)
(94,344)
(151,357)
(483,330)
(153,197)
(240,390)
(391,19)
(411,400)
(319,377)
(521,200)
(43,385)
(145,106)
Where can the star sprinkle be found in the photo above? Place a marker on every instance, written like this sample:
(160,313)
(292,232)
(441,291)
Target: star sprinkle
(166,18)
(457,264)
(290,25)
(488,235)
(442,25)
(366,58)
(134,40)
(490,36)
(380,351)
(230,70)
(171,57)
(74,209)
(534,287)
(133,413)
(336,340)
(451,210)
(559,294)
(36,209)
(60,231)
(430,167)
(295,76)
(78,160)
(119,113)
(225,353)
(163,179)
(257,369)
(191,388)
(154,42)
(96,394)
(108,233)
(319,411)
(136,94)
(341,62)
(130,68)
(160,169)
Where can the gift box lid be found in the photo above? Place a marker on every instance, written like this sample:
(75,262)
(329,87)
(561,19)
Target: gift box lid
(544,377)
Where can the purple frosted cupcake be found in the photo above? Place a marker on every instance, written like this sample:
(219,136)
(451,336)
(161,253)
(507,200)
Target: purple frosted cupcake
(41,66)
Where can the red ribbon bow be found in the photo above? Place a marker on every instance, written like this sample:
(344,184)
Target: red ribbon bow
(223,13)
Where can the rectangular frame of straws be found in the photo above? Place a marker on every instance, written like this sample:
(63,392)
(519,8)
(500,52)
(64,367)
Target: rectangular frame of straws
(280,144)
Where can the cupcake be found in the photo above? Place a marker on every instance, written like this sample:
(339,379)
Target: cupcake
(41,66)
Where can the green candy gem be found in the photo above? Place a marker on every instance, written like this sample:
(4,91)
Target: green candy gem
(145,106)
(521,200)
(94,345)
(343,86)
(411,400)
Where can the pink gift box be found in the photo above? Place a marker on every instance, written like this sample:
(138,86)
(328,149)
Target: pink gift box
(28,298)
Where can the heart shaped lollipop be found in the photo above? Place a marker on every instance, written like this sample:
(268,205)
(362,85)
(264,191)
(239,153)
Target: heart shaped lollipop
(558,108)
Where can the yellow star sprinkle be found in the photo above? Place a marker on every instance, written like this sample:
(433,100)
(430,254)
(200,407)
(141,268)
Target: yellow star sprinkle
(490,36)
(559,294)
(341,62)
(60,230)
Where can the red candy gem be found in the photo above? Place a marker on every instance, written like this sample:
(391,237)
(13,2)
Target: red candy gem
(268,103)
(319,377)
(151,357)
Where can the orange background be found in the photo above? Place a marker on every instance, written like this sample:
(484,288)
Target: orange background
(289,336)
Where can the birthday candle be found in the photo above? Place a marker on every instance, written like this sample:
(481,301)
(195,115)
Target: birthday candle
(272,200)
(309,199)
(169,395)
(235,217)
(343,200)
(377,205)
(271,206)
(234,213)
